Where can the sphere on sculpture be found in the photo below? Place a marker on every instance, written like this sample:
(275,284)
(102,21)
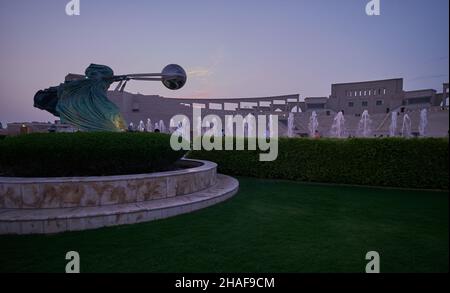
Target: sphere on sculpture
(173,77)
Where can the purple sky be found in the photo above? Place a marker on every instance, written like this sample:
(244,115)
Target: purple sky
(230,48)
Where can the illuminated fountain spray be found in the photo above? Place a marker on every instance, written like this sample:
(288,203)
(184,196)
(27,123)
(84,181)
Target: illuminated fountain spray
(393,126)
(364,127)
(149,125)
(313,124)
(141,127)
(406,127)
(291,125)
(338,127)
(131,126)
(423,122)
(162,127)
(269,131)
(181,128)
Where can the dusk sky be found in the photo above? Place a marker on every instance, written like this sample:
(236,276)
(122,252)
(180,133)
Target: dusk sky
(230,48)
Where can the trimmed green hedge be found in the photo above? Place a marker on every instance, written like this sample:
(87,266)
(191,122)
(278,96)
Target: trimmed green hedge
(393,162)
(85,154)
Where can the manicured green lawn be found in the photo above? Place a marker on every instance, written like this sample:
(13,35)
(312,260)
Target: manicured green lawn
(270,226)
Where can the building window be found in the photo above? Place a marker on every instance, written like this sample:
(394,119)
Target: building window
(370,92)
(379,102)
(316,106)
(360,93)
(379,92)
(364,103)
(415,101)
(135,107)
(351,104)
(384,91)
(365,93)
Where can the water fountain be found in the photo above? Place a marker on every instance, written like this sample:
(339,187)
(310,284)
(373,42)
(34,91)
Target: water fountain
(423,122)
(291,125)
(338,127)
(313,125)
(393,126)
(162,127)
(179,129)
(406,127)
(364,127)
(149,125)
(131,126)
(141,127)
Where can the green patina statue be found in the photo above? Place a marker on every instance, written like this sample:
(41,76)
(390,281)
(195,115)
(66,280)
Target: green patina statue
(84,103)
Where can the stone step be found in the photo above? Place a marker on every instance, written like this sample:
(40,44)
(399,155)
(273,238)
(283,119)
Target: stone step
(47,221)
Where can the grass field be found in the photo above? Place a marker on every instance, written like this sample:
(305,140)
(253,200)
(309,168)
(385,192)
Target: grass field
(269,226)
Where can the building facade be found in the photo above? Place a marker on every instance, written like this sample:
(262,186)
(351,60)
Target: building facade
(380,96)
(377,97)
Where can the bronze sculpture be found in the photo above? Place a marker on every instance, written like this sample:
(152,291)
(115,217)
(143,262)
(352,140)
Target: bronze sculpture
(84,103)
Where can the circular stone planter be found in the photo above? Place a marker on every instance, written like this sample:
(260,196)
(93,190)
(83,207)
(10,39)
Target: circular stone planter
(51,205)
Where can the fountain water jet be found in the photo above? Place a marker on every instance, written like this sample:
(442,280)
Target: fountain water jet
(149,125)
(291,125)
(162,127)
(338,127)
(364,126)
(406,127)
(313,124)
(423,122)
(393,126)
(141,127)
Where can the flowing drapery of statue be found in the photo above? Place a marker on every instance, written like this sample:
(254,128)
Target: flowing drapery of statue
(84,103)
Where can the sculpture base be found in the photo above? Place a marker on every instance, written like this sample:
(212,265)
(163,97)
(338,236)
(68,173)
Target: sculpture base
(142,200)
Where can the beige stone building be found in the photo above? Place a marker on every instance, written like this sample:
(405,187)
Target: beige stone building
(380,98)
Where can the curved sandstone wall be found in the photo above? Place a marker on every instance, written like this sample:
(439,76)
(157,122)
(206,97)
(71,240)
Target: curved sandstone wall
(51,193)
